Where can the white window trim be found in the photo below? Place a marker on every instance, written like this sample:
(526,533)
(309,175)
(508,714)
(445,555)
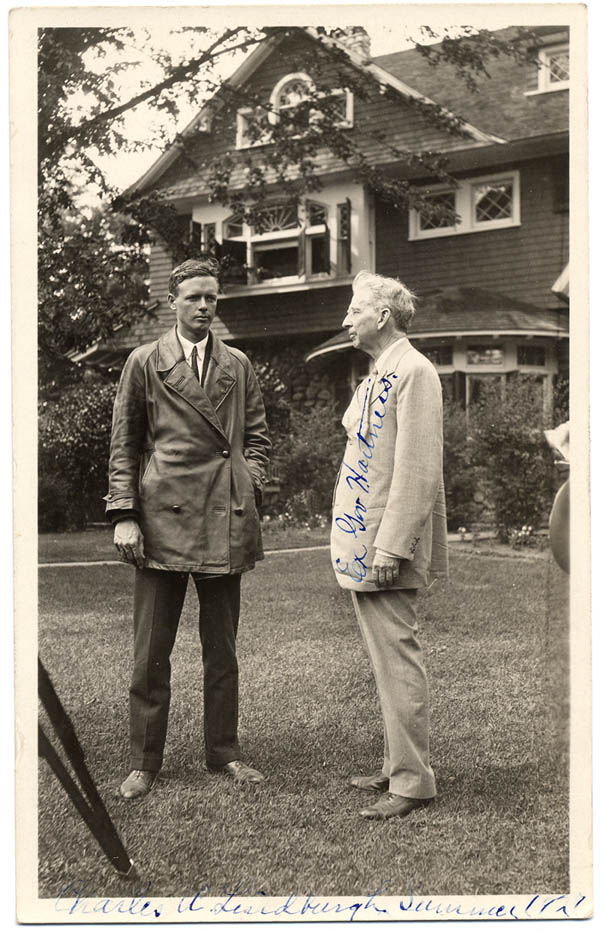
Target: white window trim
(465,208)
(241,142)
(293,76)
(544,83)
(310,232)
(346,123)
(267,241)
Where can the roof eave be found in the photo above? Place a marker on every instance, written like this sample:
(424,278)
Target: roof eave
(241,74)
(559,333)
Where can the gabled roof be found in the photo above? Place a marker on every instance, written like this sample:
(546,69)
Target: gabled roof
(240,75)
(258,56)
(501,105)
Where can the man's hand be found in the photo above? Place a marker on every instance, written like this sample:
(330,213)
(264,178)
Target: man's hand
(129,541)
(386,570)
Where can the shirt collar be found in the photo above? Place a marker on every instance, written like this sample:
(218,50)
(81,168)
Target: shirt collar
(187,345)
(382,360)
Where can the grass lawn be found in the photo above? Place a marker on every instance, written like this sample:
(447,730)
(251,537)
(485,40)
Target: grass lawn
(495,638)
(96,544)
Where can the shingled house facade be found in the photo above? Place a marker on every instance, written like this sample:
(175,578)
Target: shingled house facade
(492,285)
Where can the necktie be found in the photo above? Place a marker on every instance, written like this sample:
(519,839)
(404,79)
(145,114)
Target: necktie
(194,362)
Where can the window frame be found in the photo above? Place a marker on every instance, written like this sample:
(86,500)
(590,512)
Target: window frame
(348,120)
(299,237)
(464,206)
(241,142)
(545,85)
(243,113)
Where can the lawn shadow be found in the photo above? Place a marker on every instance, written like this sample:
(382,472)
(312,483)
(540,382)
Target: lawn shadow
(512,790)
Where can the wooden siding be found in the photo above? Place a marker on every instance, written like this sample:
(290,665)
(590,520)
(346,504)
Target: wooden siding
(253,317)
(406,129)
(522,262)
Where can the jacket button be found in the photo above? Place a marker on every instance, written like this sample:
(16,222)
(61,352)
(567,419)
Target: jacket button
(238,511)
(225,454)
(176,508)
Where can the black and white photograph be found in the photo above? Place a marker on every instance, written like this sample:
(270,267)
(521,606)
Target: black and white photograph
(302,572)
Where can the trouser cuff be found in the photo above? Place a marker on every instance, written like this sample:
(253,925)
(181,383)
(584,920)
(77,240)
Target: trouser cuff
(150,763)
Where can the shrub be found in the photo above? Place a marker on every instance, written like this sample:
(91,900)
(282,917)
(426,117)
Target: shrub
(460,475)
(560,399)
(306,462)
(74,443)
(512,456)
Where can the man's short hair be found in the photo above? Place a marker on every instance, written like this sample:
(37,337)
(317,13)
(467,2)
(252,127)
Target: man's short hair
(389,292)
(193,268)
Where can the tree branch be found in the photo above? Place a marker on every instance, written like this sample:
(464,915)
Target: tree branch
(180,73)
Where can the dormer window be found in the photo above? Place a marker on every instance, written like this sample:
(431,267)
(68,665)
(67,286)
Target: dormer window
(553,73)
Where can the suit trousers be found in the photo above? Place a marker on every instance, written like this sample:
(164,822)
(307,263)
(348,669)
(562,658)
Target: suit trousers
(158,600)
(388,623)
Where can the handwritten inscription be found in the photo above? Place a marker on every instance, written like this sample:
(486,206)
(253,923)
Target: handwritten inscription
(353,522)
(242,905)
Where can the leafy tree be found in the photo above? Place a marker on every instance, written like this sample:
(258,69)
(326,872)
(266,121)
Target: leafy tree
(91,282)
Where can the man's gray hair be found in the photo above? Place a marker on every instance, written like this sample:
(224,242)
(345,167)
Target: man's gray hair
(389,292)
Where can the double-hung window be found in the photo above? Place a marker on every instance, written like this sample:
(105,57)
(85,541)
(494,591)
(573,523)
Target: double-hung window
(476,205)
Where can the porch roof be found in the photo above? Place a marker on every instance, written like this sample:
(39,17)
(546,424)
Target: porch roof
(456,311)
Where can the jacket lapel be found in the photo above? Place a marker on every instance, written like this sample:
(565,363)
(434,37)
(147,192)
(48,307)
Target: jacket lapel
(220,378)
(180,378)
(391,366)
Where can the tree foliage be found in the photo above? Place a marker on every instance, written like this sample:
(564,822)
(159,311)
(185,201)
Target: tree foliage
(91,282)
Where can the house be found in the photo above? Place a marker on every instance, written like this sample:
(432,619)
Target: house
(488,258)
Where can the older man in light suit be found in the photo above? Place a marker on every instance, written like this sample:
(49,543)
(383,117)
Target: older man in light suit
(389,529)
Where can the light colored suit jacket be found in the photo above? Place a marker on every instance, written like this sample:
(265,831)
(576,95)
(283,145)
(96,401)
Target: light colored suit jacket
(389,492)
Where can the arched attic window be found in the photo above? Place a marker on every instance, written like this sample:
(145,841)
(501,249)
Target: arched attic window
(290,91)
(288,94)
(295,88)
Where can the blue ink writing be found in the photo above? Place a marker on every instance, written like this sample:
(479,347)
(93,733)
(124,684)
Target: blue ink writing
(358,570)
(352,523)
(355,523)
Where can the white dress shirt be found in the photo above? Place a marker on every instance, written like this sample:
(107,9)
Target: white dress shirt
(188,346)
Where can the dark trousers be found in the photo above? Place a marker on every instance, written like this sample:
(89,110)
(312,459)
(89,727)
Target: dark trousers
(158,600)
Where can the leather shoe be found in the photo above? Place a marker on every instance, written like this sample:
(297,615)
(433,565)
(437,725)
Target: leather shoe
(241,772)
(376,783)
(138,784)
(393,805)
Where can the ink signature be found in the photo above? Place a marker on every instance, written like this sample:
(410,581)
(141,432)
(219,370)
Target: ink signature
(355,522)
